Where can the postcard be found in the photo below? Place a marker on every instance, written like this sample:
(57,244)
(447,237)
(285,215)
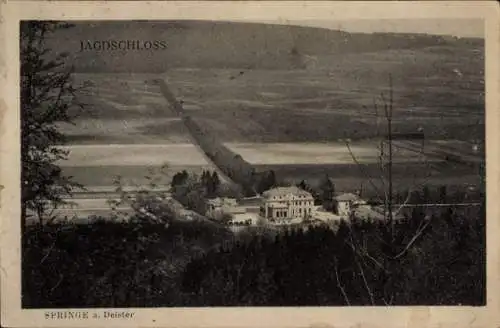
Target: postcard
(249,164)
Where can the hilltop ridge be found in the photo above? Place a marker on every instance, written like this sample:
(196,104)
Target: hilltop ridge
(219,44)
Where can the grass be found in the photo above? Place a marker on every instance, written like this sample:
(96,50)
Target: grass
(439,88)
(321,104)
(106,174)
(347,177)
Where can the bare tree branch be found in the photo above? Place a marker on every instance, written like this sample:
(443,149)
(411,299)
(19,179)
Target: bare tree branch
(408,197)
(390,300)
(61,278)
(415,237)
(342,290)
(356,253)
(48,252)
(376,189)
(364,251)
(370,293)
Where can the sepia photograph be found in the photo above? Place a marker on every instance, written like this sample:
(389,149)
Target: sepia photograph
(194,163)
(205,163)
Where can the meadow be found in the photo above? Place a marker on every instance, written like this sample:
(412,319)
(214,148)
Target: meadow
(99,165)
(439,88)
(292,121)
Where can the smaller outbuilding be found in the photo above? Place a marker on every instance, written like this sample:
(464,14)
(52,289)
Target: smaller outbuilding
(346,203)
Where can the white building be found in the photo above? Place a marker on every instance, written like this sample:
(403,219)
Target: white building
(346,203)
(284,204)
(231,211)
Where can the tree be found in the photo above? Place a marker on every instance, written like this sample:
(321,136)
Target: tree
(179,178)
(47,98)
(302,185)
(327,193)
(214,184)
(267,181)
(191,194)
(426,195)
(390,239)
(205,178)
(443,195)
(211,182)
(271,179)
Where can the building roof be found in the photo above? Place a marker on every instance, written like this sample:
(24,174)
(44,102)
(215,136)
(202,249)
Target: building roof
(285,191)
(347,197)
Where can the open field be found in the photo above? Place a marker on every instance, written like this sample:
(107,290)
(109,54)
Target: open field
(363,152)
(134,154)
(105,175)
(187,154)
(347,177)
(350,177)
(438,88)
(178,154)
(98,165)
(289,120)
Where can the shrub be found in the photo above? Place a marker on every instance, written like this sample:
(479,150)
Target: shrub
(428,261)
(110,264)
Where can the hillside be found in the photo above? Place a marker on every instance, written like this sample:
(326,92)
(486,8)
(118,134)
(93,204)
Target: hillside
(437,88)
(210,44)
(272,83)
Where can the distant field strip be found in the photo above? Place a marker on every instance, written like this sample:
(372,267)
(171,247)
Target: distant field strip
(178,155)
(134,154)
(440,151)
(104,176)
(105,192)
